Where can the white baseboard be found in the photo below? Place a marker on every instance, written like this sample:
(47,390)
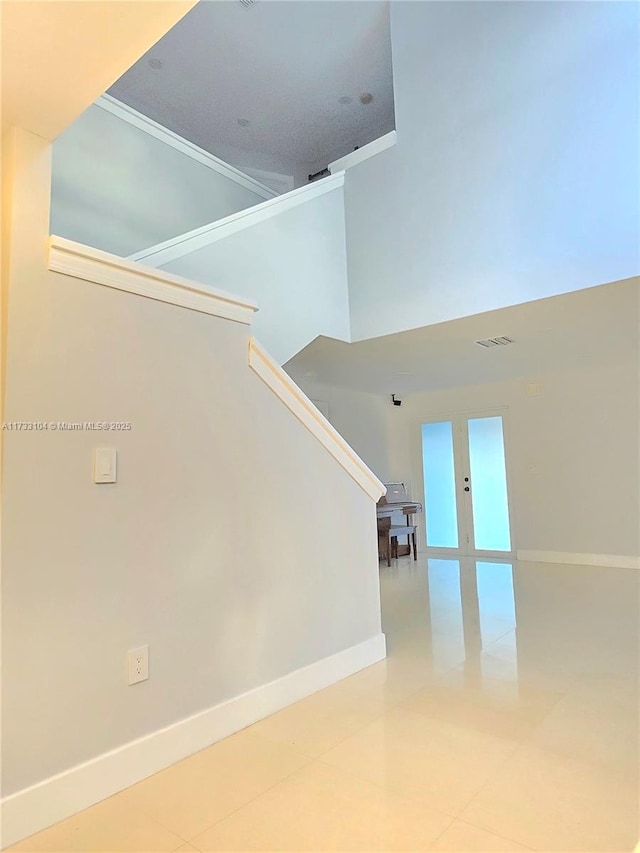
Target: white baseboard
(613,561)
(37,807)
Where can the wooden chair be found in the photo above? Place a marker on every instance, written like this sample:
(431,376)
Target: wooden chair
(388,534)
(384,538)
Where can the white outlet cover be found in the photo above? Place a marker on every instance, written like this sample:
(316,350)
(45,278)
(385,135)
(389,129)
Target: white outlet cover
(138,664)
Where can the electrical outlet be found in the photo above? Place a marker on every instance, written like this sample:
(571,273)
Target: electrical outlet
(138,664)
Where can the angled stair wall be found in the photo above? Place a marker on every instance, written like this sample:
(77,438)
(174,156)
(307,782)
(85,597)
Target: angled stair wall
(239,540)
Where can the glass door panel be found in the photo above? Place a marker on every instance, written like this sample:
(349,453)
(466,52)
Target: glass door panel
(466,506)
(490,507)
(441,513)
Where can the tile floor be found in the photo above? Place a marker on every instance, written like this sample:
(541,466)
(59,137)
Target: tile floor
(505,718)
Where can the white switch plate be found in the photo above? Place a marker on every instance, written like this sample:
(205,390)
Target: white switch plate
(104,465)
(138,664)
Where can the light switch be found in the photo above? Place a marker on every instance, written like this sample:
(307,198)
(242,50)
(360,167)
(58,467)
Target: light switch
(104,465)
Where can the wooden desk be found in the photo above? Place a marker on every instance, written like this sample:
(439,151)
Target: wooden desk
(385,510)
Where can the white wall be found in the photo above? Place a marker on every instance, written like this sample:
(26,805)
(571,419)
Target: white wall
(293,265)
(119,189)
(361,419)
(580,434)
(515,172)
(216,546)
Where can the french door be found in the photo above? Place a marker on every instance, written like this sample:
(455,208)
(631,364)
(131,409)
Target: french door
(466,495)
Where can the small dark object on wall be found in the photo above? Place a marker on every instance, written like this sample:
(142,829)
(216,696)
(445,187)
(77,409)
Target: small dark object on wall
(321,174)
(396,402)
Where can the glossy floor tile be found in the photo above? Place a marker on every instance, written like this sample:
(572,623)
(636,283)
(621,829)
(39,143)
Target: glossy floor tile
(505,718)
(106,827)
(320,808)
(319,722)
(549,802)
(462,836)
(428,760)
(213,783)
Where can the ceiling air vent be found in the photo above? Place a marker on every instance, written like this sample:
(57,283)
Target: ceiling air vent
(496,342)
(247,3)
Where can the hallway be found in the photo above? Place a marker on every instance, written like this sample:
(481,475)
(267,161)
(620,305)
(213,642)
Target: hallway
(505,718)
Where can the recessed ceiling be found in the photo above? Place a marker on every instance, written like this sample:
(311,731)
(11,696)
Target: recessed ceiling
(298,72)
(563,332)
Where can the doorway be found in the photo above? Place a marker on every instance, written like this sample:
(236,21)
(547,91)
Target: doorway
(466,495)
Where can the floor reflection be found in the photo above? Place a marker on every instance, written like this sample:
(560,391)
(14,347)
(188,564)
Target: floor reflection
(550,623)
(545,657)
(459,606)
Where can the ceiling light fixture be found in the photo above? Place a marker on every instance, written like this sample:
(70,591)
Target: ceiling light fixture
(366,98)
(243,122)
(156,64)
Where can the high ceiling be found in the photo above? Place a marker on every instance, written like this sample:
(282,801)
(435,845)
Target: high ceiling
(280,66)
(563,332)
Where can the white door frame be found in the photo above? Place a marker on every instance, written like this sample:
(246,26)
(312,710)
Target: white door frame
(461,462)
